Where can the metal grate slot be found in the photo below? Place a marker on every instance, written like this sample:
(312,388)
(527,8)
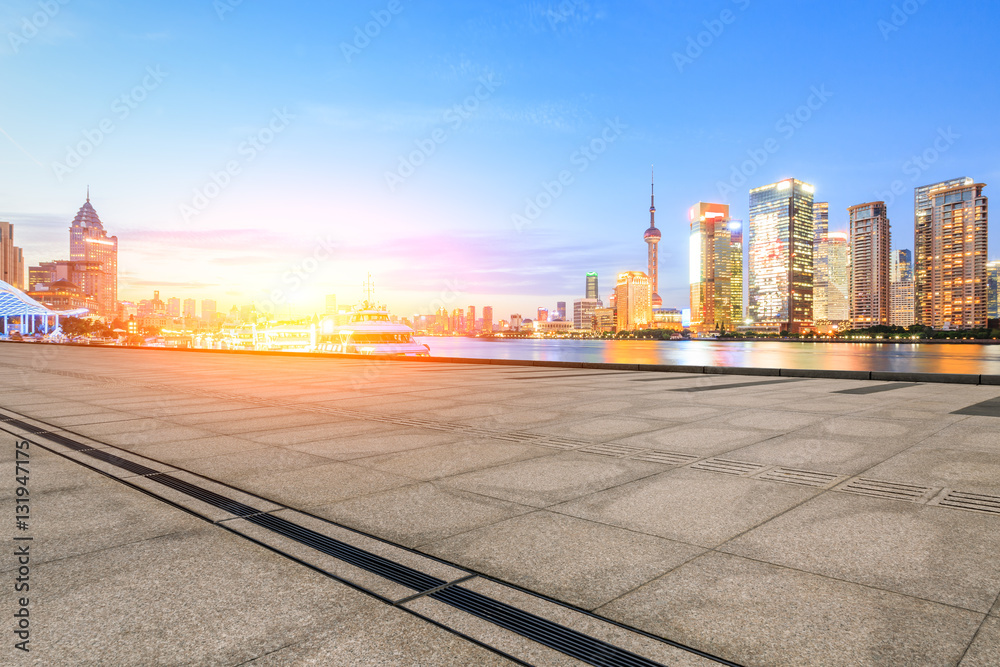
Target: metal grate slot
(801,477)
(728,467)
(118,461)
(565,640)
(669,458)
(359,558)
(204,495)
(891,490)
(977,502)
(613,450)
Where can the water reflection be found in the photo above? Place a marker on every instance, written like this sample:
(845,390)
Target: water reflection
(927,358)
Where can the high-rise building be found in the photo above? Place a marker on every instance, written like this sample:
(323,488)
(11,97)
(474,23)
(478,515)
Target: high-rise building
(190,308)
(515,322)
(173,307)
(992,279)
(950,245)
(831,279)
(901,267)
(634,301)
(583,313)
(821,220)
(652,238)
(716,268)
(11,257)
(870,244)
(331,304)
(592,292)
(470,320)
(89,242)
(781,255)
(457,320)
(560,311)
(487,319)
(902,308)
(543,315)
(208,310)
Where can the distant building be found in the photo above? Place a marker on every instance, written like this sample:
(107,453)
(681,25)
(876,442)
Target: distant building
(554,326)
(583,313)
(716,268)
(992,279)
(592,292)
(515,322)
(950,245)
(470,320)
(560,311)
(605,320)
(63,295)
(633,299)
(543,315)
(831,280)
(331,305)
(870,244)
(652,239)
(190,308)
(173,307)
(781,256)
(821,220)
(11,258)
(89,242)
(208,310)
(901,266)
(902,304)
(487,319)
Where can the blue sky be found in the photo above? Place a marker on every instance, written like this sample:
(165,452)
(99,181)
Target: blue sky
(253,151)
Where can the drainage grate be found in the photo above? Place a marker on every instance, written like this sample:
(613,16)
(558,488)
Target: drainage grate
(668,458)
(891,490)
(976,502)
(119,462)
(613,450)
(575,644)
(562,443)
(204,495)
(728,467)
(801,477)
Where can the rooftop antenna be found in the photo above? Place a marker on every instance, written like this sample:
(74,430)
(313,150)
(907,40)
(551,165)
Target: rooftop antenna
(369,286)
(88,193)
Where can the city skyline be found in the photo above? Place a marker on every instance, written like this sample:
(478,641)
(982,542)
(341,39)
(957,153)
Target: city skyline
(320,163)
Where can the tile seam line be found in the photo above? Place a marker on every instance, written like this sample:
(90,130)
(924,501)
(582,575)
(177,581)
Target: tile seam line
(381,540)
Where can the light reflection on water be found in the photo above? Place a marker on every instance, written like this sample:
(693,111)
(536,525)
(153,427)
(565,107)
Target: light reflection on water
(926,358)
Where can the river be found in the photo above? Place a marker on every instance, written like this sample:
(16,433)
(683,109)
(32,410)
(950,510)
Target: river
(924,358)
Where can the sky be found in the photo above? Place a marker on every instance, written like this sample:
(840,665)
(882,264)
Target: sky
(468,153)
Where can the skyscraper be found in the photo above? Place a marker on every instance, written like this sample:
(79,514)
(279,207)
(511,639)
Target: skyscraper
(831,279)
(901,267)
(173,307)
(470,320)
(992,278)
(652,238)
(583,313)
(89,242)
(821,220)
(870,243)
(716,268)
(592,292)
(543,315)
(902,308)
(950,244)
(634,301)
(560,311)
(781,255)
(487,319)
(208,310)
(190,306)
(11,257)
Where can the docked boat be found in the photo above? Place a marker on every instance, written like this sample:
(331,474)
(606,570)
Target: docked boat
(370,330)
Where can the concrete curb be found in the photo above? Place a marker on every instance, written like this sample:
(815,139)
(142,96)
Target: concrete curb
(885,376)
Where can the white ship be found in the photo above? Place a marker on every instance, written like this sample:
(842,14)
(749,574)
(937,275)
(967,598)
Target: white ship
(369,331)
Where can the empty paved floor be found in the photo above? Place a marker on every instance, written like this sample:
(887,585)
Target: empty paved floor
(773,522)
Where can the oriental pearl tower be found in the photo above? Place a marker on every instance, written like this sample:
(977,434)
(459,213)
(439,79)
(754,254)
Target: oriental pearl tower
(652,237)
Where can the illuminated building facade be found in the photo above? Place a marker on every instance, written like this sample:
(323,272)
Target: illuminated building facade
(634,301)
(950,245)
(652,239)
(515,322)
(173,307)
(716,268)
(781,255)
(487,319)
(560,314)
(821,220)
(208,309)
(543,315)
(190,308)
(11,258)
(992,278)
(470,320)
(870,244)
(831,279)
(592,292)
(583,313)
(89,242)
(902,307)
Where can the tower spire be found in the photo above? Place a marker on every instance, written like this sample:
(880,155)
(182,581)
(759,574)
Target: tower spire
(88,193)
(652,205)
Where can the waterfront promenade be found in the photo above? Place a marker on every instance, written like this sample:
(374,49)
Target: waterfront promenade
(196,508)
